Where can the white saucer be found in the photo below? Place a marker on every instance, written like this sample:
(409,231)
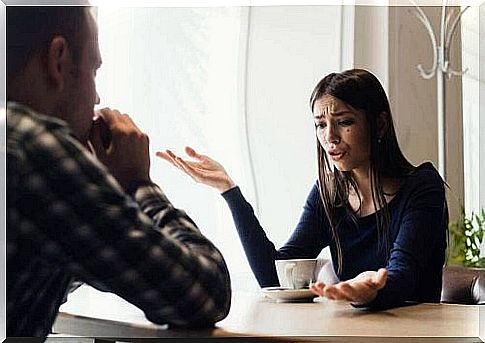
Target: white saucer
(288,294)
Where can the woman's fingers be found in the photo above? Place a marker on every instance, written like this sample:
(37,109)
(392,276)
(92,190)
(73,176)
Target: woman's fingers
(169,156)
(380,278)
(317,288)
(202,163)
(195,173)
(183,164)
(190,168)
(335,293)
(201,168)
(329,291)
(164,155)
(347,292)
(174,160)
(191,152)
(361,289)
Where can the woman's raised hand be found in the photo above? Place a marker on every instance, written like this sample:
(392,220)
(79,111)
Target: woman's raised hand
(201,168)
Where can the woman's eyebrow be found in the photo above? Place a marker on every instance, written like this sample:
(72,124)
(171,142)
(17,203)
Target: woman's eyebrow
(334,114)
(341,113)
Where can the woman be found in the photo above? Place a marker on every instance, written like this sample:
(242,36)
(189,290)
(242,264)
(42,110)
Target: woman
(384,219)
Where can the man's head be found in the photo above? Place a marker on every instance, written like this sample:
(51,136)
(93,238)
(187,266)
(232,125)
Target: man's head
(52,58)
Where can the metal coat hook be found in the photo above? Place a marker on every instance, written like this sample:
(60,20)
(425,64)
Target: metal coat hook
(440,68)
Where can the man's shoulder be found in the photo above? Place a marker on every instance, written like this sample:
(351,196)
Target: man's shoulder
(27,128)
(41,137)
(24,119)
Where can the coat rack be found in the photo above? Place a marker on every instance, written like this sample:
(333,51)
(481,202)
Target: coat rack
(441,68)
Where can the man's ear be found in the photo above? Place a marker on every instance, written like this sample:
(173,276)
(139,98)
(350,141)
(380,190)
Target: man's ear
(58,62)
(383,123)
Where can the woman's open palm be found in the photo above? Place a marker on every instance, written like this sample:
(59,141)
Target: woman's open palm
(201,168)
(360,290)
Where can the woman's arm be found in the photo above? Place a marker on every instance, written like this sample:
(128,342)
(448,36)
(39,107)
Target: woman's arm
(414,269)
(307,240)
(418,251)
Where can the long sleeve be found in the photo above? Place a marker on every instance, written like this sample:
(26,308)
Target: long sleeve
(70,216)
(307,240)
(417,254)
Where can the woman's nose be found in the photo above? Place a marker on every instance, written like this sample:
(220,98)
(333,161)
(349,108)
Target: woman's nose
(332,135)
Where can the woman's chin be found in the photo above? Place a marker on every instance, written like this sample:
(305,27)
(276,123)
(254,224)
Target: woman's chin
(341,167)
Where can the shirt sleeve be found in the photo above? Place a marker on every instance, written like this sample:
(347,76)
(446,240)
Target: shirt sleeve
(140,247)
(307,240)
(418,249)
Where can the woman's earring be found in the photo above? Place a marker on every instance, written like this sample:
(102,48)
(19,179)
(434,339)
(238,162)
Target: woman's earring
(379,140)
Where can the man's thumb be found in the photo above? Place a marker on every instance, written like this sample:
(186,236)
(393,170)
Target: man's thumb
(96,140)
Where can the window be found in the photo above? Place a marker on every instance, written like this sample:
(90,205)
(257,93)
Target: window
(234,83)
(473,54)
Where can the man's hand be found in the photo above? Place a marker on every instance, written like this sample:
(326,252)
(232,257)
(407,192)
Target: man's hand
(126,154)
(360,290)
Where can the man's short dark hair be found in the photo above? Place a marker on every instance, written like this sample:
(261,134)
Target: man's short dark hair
(30,30)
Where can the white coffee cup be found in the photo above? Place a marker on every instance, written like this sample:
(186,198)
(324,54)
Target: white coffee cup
(296,273)
(299,273)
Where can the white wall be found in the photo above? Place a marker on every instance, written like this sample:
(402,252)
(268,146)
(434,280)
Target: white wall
(414,99)
(391,42)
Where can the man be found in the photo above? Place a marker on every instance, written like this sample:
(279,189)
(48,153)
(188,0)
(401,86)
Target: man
(71,217)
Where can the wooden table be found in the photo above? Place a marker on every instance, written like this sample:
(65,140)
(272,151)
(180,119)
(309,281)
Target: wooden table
(91,313)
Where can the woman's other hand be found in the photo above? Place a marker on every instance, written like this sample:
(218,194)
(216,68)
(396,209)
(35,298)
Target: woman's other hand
(360,290)
(201,168)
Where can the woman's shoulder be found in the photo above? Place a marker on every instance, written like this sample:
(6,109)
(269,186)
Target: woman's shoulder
(426,173)
(423,178)
(314,193)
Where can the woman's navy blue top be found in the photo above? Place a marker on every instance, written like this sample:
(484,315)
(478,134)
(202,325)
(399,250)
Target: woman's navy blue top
(415,255)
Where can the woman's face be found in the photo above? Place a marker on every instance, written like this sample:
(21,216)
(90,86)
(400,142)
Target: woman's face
(343,133)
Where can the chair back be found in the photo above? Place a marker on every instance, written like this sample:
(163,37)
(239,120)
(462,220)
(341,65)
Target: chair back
(463,285)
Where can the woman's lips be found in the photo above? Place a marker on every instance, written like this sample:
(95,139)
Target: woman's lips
(337,156)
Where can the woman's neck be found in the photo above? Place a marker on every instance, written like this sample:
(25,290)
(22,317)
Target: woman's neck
(363,199)
(362,179)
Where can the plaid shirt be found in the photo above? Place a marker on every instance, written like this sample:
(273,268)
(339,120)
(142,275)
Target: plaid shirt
(67,218)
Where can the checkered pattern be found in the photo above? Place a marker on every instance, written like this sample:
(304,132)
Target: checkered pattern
(67,218)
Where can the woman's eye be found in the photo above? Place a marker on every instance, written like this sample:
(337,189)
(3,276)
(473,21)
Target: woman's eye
(320,125)
(346,122)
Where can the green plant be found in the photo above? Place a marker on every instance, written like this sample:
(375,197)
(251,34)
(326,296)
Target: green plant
(466,237)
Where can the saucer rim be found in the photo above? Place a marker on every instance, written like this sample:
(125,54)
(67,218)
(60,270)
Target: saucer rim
(288,294)
(278,289)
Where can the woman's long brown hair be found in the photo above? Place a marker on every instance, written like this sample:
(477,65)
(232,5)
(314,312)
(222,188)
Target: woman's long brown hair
(361,90)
